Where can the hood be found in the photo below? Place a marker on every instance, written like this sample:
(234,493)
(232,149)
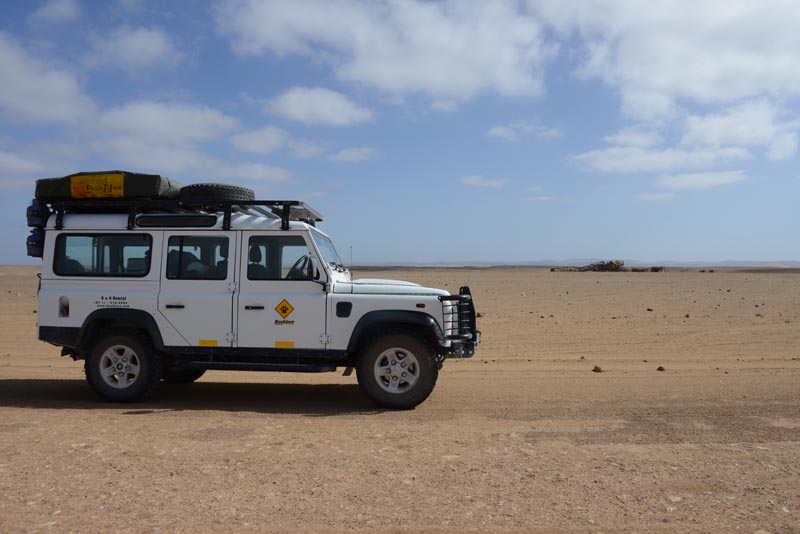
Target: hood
(393,287)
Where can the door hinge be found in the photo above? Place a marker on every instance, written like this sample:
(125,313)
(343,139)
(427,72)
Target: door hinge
(230,337)
(233,287)
(325,339)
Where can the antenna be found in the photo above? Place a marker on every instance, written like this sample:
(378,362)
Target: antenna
(351,257)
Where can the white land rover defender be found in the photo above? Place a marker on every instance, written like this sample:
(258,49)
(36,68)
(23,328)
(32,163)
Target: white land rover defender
(148,281)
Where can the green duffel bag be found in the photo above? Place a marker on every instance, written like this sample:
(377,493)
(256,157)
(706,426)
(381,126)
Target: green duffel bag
(118,185)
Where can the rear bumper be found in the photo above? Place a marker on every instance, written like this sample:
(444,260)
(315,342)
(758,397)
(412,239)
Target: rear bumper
(62,336)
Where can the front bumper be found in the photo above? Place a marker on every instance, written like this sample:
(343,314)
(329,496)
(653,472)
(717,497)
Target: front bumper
(464,338)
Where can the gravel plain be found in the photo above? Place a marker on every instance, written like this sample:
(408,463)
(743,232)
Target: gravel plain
(522,438)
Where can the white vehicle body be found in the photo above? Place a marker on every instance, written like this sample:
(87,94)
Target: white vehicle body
(214,312)
(224,294)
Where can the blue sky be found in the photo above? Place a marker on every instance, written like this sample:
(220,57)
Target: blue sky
(429,131)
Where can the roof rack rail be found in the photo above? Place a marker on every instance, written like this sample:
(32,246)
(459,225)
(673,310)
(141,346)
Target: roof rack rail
(285,210)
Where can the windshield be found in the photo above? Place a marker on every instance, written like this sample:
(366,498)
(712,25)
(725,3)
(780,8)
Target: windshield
(329,254)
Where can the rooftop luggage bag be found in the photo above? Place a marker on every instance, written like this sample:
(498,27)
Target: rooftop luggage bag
(119,185)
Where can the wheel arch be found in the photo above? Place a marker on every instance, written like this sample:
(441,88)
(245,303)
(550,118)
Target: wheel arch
(372,323)
(104,319)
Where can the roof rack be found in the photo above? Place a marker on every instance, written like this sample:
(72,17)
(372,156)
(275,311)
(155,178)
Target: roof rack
(285,210)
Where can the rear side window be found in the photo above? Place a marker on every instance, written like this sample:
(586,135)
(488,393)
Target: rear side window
(197,258)
(125,255)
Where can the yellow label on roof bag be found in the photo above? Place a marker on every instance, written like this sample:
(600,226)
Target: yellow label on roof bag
(110,185)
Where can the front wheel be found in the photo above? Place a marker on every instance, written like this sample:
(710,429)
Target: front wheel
(397,370)
(123,367)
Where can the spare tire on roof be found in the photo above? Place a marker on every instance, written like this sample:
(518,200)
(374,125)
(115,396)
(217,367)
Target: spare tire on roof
(202,193)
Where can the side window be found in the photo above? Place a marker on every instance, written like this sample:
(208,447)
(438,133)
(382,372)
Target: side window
(278,258)
(125,255)
(197,258)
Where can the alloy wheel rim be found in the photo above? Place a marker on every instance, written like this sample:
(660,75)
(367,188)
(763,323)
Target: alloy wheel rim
(119,366)
(396,370)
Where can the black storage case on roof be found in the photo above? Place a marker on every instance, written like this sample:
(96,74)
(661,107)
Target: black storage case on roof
(118,185)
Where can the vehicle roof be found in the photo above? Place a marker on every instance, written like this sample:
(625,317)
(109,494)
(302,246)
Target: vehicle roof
(119,221)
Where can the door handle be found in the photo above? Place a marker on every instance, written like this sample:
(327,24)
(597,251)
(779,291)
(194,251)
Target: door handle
(175,306)
(254,307)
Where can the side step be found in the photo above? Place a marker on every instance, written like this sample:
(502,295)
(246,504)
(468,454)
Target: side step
(248,366)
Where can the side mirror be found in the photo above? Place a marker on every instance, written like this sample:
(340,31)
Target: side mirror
(314,274)
(311,268)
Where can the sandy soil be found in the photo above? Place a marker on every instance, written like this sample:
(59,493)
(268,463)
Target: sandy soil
(524,437)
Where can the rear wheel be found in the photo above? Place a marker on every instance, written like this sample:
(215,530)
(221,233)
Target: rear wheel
(123,367)
(397,370)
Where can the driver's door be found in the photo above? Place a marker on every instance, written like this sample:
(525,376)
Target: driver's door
(278,304)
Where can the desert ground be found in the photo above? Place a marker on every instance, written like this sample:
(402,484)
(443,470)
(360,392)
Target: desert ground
(524,437)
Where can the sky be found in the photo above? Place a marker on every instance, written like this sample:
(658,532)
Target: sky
(429,132)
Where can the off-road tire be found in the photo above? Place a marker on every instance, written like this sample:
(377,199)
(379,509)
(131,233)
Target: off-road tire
(406,342)
(204,193)
(170,375)
(125,343)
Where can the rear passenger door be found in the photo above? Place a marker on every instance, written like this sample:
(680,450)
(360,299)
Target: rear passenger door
(197,286)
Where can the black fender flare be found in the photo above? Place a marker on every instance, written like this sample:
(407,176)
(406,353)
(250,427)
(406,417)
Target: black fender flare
(124,317)
(393,318)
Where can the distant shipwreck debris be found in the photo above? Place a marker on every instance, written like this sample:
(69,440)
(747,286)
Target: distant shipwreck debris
(598,266)
(615,266)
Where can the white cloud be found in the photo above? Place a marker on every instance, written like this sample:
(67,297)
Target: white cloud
(167,123)
(353,155)
(516,130)
(450,51)
(503,132)
(36,92)
(13,164)
(783,146)
(166,138)
(263,141)
(316,105)
(269,139)
(635,151)
(750,124)
(479,181)
(185,162)
(133,49)
(700,180)
(21,163)
(658,197)
(444,105)
(55,12)
(16,171)
(633,159)
(137,151)
(637,136)
(722,70)
(660,55)
(301,148)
